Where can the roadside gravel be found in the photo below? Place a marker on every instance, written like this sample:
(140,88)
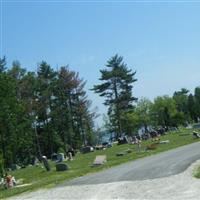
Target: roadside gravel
(176,187)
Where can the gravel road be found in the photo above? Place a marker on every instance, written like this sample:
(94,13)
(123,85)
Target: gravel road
(161,165)
(163,176)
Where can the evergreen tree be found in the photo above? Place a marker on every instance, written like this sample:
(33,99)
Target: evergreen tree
(2,64)
(191,108)
(44,93)
(71,115)
(117,90)
(197,101)
(1,165)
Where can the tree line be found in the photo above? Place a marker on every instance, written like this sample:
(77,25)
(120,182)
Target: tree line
(126,114)
(48,111)
(42,113)
(182,109)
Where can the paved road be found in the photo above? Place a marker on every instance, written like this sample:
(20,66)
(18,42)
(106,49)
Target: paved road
(156,166)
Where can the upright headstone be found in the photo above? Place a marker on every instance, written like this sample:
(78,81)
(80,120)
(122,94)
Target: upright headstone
(70,156)
(87,149)
(60,157)
(61,167)
(54,156)
(72,151)
(46,163)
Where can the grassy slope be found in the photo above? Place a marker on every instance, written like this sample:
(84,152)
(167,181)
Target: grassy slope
(197,172)
(81,165)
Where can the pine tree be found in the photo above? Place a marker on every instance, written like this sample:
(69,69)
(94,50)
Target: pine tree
(44,93)
(2,64)
(117,90)
(191,108)
(197,101)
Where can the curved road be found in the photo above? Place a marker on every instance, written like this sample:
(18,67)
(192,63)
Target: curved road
(156,166)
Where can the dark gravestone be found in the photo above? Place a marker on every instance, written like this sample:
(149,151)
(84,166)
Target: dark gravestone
(123,140)
(61,167)
(34,161)
(60,157)
(195,134)
(106,144)
(99,147)
(120,154)
(46,163)
(87,149)
(72,151)
(128,151)
(15,167)
(54,157)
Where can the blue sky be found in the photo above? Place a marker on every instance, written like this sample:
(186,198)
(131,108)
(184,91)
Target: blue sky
(160,40)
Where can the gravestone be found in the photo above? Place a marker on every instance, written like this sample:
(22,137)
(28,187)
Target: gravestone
(128,151)
(98,147)
(61,167)
(35,161)
(99,160)
(123,140)
(195,134)
(46,163)
(87,149)
(164,142)
(120,154)
(60,157)
(54,156)
(70,156)
(72,151)
(15,167)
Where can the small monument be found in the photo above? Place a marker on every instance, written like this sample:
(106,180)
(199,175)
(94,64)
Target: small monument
(54,156)
(61,167)
(99,160)
(60,157)
(46,163)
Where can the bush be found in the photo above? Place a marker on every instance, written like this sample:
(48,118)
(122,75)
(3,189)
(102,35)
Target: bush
(61,150)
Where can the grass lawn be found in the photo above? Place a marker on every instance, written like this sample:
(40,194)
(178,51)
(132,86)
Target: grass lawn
(197,172)
(37,177)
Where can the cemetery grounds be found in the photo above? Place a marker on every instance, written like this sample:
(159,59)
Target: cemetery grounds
(35,177)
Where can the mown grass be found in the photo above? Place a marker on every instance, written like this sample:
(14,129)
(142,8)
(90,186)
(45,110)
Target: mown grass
(81,165)
(197,172)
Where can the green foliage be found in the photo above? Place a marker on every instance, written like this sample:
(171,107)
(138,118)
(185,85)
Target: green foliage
(2,64)
(192,108)
(163,110)
(131,122)
(197,101)
(48,111)
(1,165)
(181,99)
(42,113)
(143,111)
(61,150)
